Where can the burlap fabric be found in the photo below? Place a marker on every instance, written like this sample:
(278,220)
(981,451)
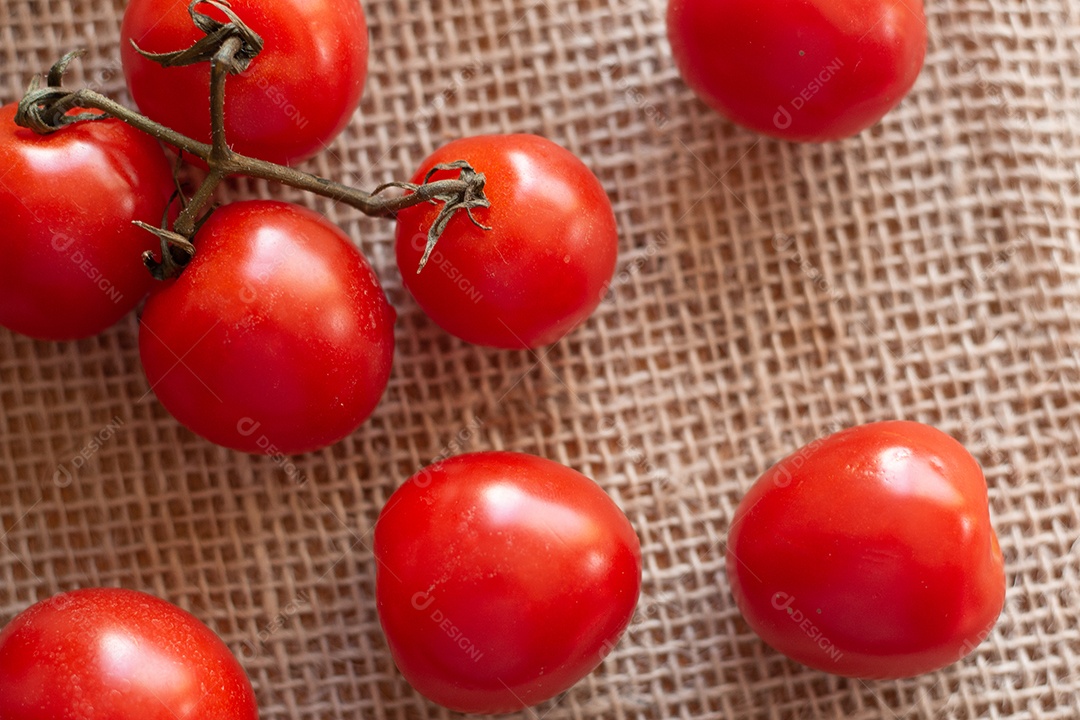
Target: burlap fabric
(766,293)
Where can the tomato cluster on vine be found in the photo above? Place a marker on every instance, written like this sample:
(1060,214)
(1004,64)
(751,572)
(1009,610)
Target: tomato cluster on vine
(270,332)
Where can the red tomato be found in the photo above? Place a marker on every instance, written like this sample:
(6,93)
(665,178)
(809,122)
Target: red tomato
(71,257)
(869,553)
(293,99)
(502,579)
(108,654)
(276,339)
(805,70)
(542,268)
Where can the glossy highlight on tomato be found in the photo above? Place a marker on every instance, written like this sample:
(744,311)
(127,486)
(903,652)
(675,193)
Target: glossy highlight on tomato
(802,70)
(111,654)
(502,579)
(544,265)
(295,97)
(869,553)
(71,259)
(276,339)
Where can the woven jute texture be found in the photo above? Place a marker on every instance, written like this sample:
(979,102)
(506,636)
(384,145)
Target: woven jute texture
(766,294)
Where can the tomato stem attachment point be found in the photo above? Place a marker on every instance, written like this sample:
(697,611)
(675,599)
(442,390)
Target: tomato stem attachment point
(473,197)
(176,252)
(218,34)
(38,100)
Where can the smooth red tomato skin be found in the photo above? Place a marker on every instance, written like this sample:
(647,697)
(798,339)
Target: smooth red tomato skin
(71,259)
(543,267)
(802,70)
(869,553)
(110,654)
(277,338)
(294,98)
(502,579)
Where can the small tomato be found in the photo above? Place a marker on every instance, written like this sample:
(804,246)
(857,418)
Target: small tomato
(869,553)
(502,579)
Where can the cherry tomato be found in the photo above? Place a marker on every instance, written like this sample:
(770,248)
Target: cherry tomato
(804,70)
(276,339)
(542,268)
(869,553)
(293,99)
(71,259)
(502,579)
(109,654)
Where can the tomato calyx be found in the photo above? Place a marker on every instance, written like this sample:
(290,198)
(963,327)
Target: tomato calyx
(229,48)
(176,252)
(42,108)
(217,34)
(473,197)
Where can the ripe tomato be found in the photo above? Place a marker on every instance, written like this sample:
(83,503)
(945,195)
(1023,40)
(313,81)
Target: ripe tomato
(71,259)
(293,99)
(869,553)
(542,268)
(108,654)
(276,339)
(502,579)
(805,70)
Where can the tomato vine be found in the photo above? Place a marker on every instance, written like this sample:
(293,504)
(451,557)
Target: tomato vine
(229,48)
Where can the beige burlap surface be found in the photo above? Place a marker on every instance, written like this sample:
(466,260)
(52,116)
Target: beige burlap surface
(766,293)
